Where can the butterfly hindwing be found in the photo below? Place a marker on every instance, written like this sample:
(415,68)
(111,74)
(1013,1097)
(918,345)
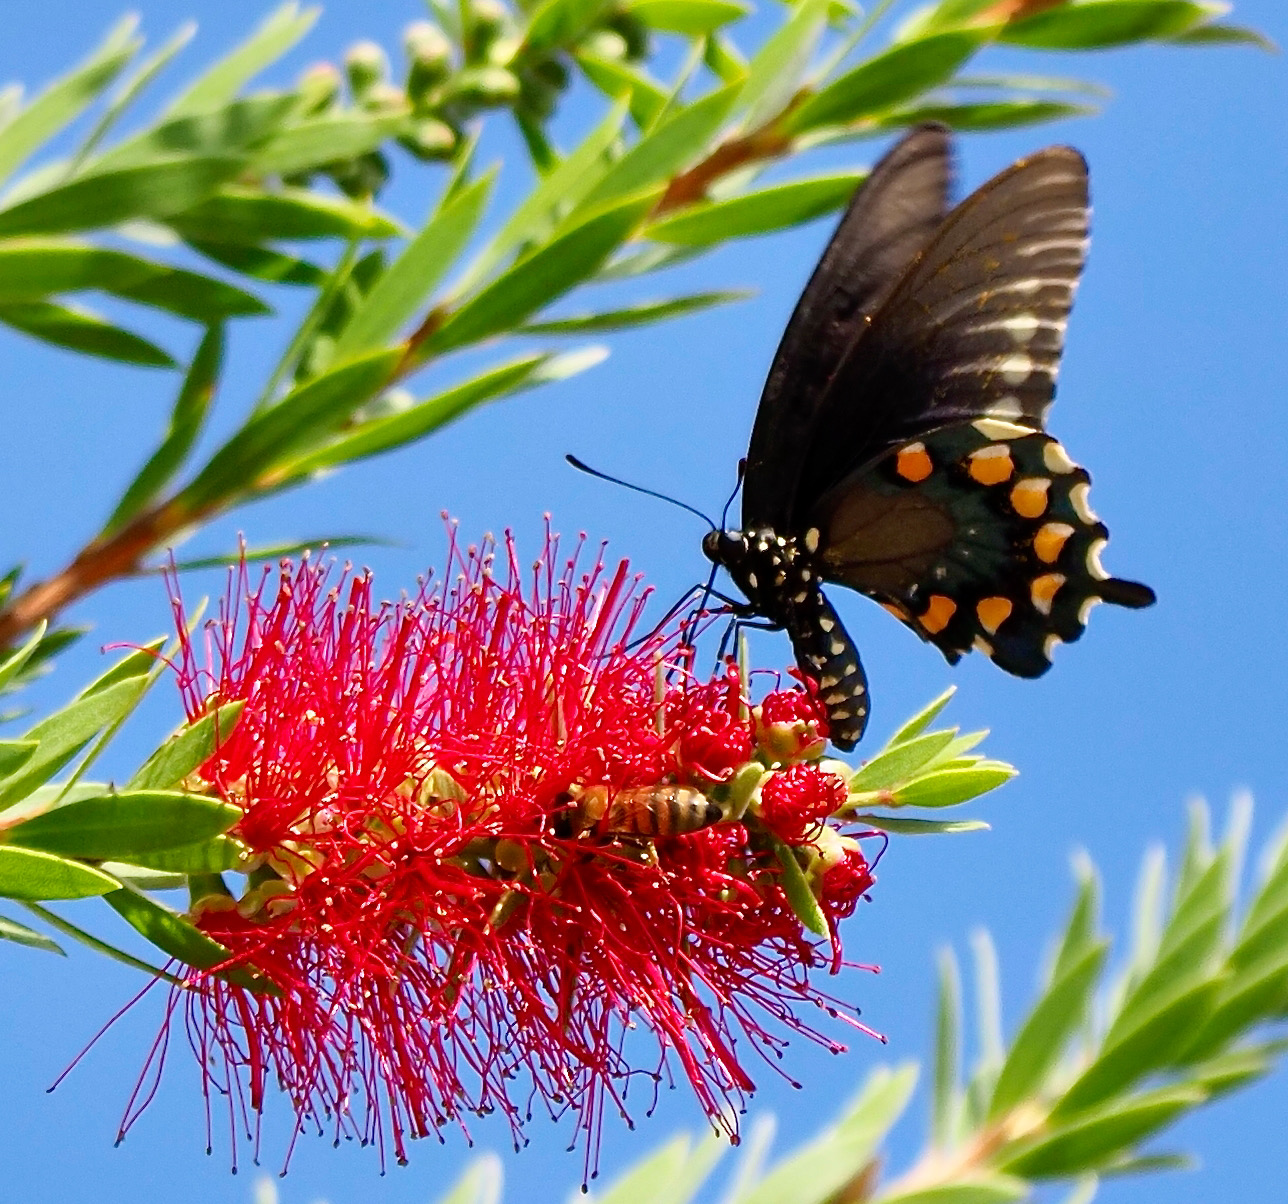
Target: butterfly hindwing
(977,535)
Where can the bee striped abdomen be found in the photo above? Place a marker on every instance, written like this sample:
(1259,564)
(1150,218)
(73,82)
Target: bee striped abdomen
(664,810)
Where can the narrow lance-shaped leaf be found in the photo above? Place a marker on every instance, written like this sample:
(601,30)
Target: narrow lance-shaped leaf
(1101,23)
(118,826)
(94,201)
(663,151)
(890,78)
(540,279)
(20,934)
(318,140)
(399,429)
(414,274)
(923,718)
(31,874)
(948,1020)
(775,71)
(693,18)
(565,185)
(66,98)
(753,213)
(78,329)
(301,417)
(276,35)
(231,129)
(187,417)
(187,749)
(905,826)
(645,98)
(211,856)
(240,214)
(12,664)
(986,115)
(796,888)
(900,762)
(949,787)
(632,315)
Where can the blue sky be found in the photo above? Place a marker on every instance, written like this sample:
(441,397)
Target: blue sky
(1171,392)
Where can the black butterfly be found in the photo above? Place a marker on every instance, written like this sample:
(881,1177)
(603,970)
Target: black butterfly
(899,448)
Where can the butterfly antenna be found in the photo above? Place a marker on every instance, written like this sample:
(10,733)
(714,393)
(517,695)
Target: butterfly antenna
(742,472)
(581,466)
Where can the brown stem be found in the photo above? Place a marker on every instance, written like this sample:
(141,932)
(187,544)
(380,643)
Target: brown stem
(691,186)
(101,561)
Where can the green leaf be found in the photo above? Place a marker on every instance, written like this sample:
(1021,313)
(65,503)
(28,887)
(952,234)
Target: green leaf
(220,83)
(665,150)
(796,888)
(480,1183)
(776,70)
(1258,992)
(948,787)
(120,826)
(241,214)
(20,934)
(971,1188)
(1055,1018)
(274,552)
(12,663)
(187,417)
(986,115)
(14,754)
(399,429)
(415,273)
(948,1022)
(1149,1045)
(320,140)
(1099,23)
(754,213)
(66,732)
(139,662)
(693,18)
(919,827)
(231,129)
(187,749)
(648,1180)
(171,933)
(206,857)
(818,1171)
(28,874)
(261,263)
(1219,34)
(542,277)
(94,201)
(66,98)
(80,330)
(33,269)
(896,75)
(555,22)
(1090,1140)
(645,98)
(922,719)
(633,315)
(1080,933)
(563,186)
(899,762)
(302,417)
(1236,1069)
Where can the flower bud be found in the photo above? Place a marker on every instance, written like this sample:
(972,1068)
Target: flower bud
(605,44)
(429,59)
(482,87)
(430,139)
(366,65)
(319,87)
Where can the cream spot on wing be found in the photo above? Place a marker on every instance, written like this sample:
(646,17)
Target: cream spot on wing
(1094,567)
(1006,407)
(1022,328)
(1057,459)
(1015,369)
(1078,499)
(992,428)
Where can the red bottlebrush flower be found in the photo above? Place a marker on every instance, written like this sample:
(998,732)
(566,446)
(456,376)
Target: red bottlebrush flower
(791,725)
(795,801)
(488,837)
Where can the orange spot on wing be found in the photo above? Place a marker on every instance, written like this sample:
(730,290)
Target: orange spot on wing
(1049,542)
(898,611)
(1029,497)
(913,463)
(993,612)
(991,465)
(939,611)
(1044,590)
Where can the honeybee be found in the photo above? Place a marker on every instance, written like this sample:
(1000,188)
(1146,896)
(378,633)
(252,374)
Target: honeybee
(663,810)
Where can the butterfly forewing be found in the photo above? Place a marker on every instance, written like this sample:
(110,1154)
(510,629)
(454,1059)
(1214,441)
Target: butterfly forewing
(891,219)
(974,327)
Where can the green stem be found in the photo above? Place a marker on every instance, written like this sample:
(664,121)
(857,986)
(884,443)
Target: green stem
(79,934)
